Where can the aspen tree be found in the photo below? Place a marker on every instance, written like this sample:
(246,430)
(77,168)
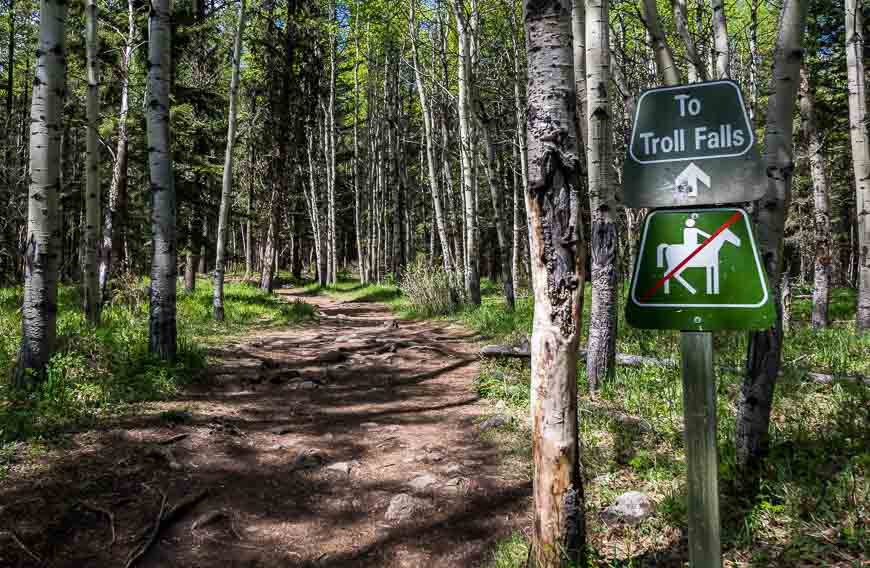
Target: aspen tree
(42,245)
(426,111)
(659,43)
(821,204)
(600,361)
(227,182)
(697,70)
(467,151)
(765,347)
(162,325)
(720,40)
(553,204)
(114,212)
(860,137)
(92,191)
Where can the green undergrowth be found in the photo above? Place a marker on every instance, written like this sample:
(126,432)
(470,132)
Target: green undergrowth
(99,372)
(814,497)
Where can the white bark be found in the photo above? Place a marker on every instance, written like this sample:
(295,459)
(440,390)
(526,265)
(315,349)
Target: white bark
(330,139)
(602,197)
(426,111)
(859,133)
(553,205)
(578,30)
(227,182)
(162,326)
(42,247)
(658,42)
(720,40)
(467,151)
(92,191)
(697,70)
(113,215)
(821,205)
(357,213)
(753,59)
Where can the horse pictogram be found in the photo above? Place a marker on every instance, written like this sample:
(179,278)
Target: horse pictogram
(669,256)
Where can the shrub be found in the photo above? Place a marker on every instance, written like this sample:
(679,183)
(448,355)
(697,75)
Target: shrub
(430,290)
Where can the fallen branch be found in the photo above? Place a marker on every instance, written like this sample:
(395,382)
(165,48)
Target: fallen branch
(22,546)
(173,439)
(523,351)
(162,522)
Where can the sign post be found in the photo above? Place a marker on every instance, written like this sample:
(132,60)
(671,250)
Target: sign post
(698,268)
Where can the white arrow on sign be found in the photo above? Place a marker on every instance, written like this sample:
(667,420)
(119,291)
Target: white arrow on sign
(690,177)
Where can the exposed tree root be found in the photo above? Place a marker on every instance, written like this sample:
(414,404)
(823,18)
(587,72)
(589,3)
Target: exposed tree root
(523,351)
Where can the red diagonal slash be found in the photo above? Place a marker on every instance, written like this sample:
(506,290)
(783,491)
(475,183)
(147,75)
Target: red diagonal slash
(649,293)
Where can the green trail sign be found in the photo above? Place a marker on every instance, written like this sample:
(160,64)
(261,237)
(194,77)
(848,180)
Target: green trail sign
(699,270)
(692,145)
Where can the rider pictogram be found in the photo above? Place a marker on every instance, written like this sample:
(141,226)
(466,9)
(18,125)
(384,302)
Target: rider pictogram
(694,254)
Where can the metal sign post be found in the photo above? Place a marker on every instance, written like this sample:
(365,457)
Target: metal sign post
(698,269)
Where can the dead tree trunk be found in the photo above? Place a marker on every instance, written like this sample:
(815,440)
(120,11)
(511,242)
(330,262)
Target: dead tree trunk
(553,204)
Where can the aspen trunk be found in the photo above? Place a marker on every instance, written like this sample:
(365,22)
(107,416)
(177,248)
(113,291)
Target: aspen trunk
(578,29)
(114,213)
(466,152)
(753,60)
(227,182)
(92,192)
(192,258)
(765,347)
(662,51)
(697,69)
(333,229)
(860,137)
(42,247)
(426,111)
(602,198)
(498,214)
(821,205)
(720,40)
(249,222)
(553,204)
(360,251)
(162,327)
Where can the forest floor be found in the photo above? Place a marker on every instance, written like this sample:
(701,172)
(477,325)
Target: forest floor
(354,440)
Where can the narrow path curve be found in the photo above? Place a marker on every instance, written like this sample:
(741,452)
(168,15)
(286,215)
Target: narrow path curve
(351,441)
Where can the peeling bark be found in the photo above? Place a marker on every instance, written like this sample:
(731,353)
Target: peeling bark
(553,204)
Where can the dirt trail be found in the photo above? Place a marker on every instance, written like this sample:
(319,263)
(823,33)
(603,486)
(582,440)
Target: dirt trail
(346,442)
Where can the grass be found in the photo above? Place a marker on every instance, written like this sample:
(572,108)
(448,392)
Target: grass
(100,372)
(814,499)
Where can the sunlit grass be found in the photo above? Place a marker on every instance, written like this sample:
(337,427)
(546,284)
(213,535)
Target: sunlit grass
(96,372)
(815,492)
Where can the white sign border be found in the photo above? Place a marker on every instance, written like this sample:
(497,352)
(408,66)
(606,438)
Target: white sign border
(754,250)
(690,87)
